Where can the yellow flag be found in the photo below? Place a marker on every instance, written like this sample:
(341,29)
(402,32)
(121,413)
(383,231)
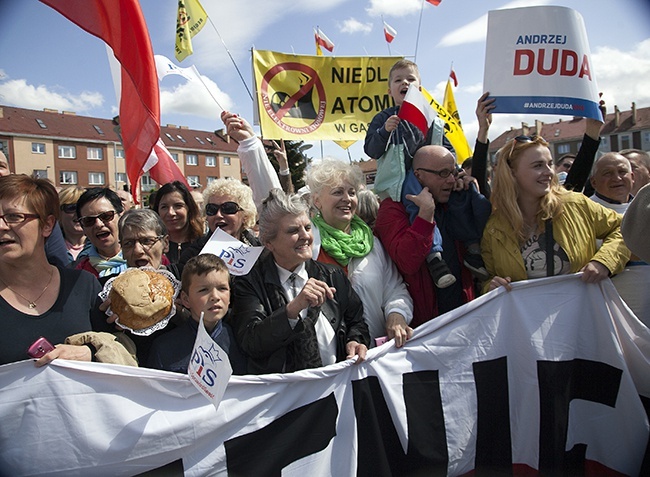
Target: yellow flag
(190,20)
(449,103)
(453,131)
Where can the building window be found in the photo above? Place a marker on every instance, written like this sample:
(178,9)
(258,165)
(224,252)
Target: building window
(147,183)
(563,148)
(41,124)
(96,178)
(210,179)
(98,129)
(40,173)
(175,157)
(170,137)
(604,141)
(67,177)
(646,136)
(38,148)
(119,153)
(226,161)
(95,154)
(199,139)
(120,177)
(181,138)
(193,181)
(210,161)
(625,142)
(67,152)
(192,160)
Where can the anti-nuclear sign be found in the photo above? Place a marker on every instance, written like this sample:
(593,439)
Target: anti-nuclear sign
(318,97)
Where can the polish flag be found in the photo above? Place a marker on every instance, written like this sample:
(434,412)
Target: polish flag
(389,32)
(322,40)
(161,166)
(452,75)
(435,3)
(416,109)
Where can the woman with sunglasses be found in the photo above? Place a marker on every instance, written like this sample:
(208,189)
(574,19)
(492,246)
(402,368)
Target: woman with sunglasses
(98,212)
(73,232)
(229,206)
(38,299)
(178,210)
(530,205)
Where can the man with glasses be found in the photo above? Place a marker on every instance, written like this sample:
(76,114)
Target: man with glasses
(409,242)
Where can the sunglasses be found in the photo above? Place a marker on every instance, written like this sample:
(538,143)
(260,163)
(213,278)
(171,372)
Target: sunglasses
(89,220)
(443,173)
(227,208)
(69,208)
(522,140)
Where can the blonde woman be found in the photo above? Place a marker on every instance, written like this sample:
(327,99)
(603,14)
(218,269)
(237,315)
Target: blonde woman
(73,232)
(529,205)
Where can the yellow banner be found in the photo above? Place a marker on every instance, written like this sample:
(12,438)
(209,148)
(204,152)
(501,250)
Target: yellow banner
(319,97)
(453,131)
(190,19)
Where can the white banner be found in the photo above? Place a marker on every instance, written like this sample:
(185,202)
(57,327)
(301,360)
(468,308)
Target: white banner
(514,380)
(238,257)
(537,61)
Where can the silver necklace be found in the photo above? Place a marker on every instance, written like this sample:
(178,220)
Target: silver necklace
(31,304)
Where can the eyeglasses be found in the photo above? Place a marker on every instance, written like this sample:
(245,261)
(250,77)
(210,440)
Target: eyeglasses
(443,173)
(69,208)
(146,242)
(16,218)
(227,208)
(89,220)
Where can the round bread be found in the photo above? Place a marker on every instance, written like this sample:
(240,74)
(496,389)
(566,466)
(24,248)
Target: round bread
(141,298)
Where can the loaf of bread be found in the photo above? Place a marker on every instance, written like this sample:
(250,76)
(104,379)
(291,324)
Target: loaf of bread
(141,298)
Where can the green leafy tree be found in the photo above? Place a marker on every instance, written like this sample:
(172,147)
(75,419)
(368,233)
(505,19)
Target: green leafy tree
(296,158)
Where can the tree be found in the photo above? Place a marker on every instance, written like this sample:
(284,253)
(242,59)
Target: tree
(296,157)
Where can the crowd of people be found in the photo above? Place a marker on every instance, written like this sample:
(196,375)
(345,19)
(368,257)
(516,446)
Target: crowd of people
(342,270)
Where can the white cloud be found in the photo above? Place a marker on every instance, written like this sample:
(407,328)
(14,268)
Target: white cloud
(19,93)
(191,98)
(352,25)
(476,30)
(394,9)
(3,75)
(623,76)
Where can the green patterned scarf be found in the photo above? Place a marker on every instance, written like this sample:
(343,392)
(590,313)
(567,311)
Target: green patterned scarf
(342,246)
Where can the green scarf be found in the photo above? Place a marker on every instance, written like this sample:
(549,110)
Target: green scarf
(342,246)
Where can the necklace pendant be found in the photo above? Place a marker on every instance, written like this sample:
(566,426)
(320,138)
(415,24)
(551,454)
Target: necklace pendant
(32,305)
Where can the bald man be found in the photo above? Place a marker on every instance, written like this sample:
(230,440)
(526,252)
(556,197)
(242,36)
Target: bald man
(408,243)
(612,179)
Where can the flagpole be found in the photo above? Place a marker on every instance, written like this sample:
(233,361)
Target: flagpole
(387,42)
(231,59)
(210,92)
(417,37)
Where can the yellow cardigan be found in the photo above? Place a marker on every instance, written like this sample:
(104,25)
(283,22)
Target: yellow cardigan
(576,230)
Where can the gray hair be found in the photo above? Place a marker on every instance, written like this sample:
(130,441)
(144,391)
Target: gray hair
(644,156)
(367,206)
(333,173)
(142,220)
(275,206)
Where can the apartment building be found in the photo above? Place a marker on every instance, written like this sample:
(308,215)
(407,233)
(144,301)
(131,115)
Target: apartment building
(70,149)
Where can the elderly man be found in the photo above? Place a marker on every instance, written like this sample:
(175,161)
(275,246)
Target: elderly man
(612,180)
(408,244)
(640,162)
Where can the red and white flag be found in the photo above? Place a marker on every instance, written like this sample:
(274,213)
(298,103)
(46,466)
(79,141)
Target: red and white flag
(416,109)
(389,32)
(452,75)
(322,40)
(161,166)
(121,24)
(435,3)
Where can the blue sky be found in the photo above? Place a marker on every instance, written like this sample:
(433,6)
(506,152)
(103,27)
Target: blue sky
(48,62)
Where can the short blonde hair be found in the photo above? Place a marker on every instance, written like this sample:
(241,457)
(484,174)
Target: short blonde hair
(332,173)
(239,192)
(70,195)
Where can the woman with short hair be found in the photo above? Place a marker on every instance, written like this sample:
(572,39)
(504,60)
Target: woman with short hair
(291,312)
(36,298)
(343,239)
(98,212)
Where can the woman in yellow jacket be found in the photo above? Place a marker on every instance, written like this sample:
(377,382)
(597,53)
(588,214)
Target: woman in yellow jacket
(528,205)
